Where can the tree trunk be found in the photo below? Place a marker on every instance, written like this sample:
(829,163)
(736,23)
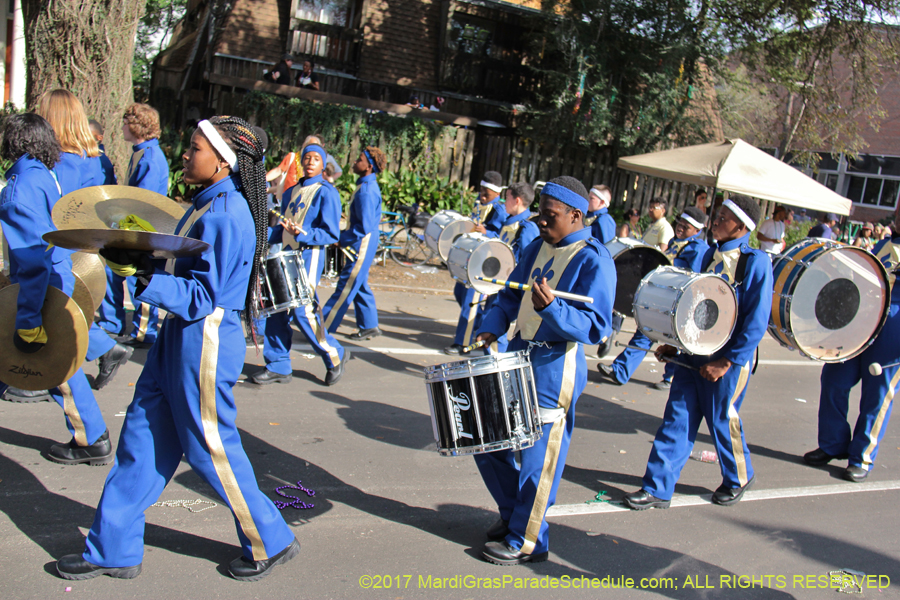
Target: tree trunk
(86,47)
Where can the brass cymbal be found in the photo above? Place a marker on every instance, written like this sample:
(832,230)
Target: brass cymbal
(82,297)
(92,271)
(103,206)
(61,356)
(159,245)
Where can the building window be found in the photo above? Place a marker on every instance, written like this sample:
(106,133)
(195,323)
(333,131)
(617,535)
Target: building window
(870,180)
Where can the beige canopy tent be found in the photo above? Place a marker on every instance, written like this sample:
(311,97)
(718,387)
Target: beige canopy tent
(736,166)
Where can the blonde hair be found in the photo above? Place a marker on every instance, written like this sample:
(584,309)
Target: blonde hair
(66,115)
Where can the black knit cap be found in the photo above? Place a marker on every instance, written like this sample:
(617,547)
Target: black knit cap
(748,205)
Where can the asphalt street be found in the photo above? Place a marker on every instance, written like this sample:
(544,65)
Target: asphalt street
(393,519)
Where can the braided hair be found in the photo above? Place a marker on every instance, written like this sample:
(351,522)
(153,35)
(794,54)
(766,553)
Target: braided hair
(242,138)
(379,158)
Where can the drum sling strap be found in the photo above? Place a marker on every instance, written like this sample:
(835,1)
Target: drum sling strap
(738,280)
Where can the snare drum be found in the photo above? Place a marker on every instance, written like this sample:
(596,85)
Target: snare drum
(476,255)
(830,299)
(443,230)
(334,261)
(695,312)
(634,260)
(483,404)
(285,285)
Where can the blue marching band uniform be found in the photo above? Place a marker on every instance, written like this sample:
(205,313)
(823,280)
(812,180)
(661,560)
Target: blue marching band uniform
(693,398)
(688,254)
(492,215)
(860,445)
(26,204)
(518,231)
(109,171)
(149,170)
(362,236)
(603,226)
(314,204)
(183,403)
(524,487)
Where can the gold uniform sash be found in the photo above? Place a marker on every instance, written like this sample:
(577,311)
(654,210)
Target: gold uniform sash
(728,260)
(508,233)
(182,231)
(483,211)
(588,221)
(551,263)
(135,159)
(889,255)
(301,199)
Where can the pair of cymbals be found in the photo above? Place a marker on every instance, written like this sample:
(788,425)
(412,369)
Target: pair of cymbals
(88,220)
(63,354)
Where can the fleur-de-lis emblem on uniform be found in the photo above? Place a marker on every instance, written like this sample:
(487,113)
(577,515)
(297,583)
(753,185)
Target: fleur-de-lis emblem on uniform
(539,274)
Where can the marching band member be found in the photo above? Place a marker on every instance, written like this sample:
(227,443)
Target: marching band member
(686,252)
(518,231)
(362,236)
(716,389)
(109,171)
(183,403)
(566,258)
(148,169)
(836,440)
(25,207)
(603,226)
(79,167)
(312,211)
(489,216)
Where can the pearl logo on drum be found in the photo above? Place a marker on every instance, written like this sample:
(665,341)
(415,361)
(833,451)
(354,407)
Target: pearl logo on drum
(461,403)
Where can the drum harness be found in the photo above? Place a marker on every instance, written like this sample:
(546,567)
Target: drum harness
(548,415)
(738,280)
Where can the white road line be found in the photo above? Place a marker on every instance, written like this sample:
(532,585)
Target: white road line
(568,510)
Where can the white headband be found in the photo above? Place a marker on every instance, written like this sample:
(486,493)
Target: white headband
(212,134)
(599,195)
(690,220)
(740,214)
(490,186)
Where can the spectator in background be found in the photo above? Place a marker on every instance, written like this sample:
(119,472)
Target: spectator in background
(886,234)
(281,73)
(630,228)
(865,240)
(332,170)
(438,103)
(823,229)
(414,102)
(660,232)
(700,197)
(307,79)
(109,171)
(771,232)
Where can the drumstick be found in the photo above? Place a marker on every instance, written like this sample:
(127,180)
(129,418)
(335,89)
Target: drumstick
(474,346)
(525,287)
(877,369)
(348,253)
(663,359)
(284,218)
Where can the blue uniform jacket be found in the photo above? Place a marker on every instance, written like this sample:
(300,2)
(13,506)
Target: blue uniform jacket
(689,253)
(754,301)
(495,218)
(526,231)
(591,272)
(219,276)
(887,261)
(322,222)
(152,169)
(76,171)
(603,226)
(25,206)
(365,211)
(109,171)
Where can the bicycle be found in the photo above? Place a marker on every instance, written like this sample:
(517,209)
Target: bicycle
(402,236)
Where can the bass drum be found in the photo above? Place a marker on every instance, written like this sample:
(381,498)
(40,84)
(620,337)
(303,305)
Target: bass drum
(830,299)
(695,312)
(444,229)
(634,261)
(476,255)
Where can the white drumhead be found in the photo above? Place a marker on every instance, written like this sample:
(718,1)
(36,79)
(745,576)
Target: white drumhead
(436,225)
(476,255)
(706,314)
(837,303)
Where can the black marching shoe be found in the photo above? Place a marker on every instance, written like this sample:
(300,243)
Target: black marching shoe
(454,349)
(244,569)
(334,374)
(642,500)
(365,334)
(98,453)
(819,457)
(26,396)
(74,567)
(855,474)
(265,377)
(500,553)
(133,342)
(110,363)
(725,496)
(662,385)
(608,374)
(498,531)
